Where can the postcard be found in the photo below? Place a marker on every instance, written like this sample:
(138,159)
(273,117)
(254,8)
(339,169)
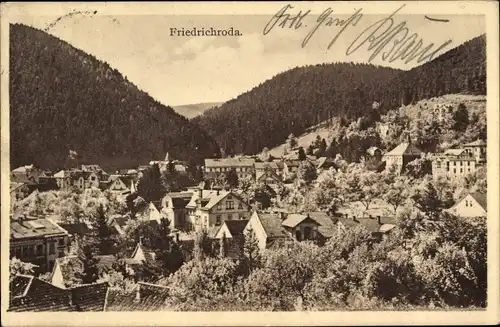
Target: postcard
(246,163)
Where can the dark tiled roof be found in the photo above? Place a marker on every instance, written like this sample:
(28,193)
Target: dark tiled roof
(326,225)
(145,297)
(272,225)
(105,261)
(90,297)
(236,227)
(481,198)
(371,224)
(19,285)
(38,296)
(34,228)
(80,229)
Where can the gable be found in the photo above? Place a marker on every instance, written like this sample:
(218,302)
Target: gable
(223,231)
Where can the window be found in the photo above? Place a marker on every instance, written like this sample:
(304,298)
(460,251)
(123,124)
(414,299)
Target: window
(230,217)
(461,170)
(219,206)
(61,254)
(39,250)
(61,241)
(240,206)
(454,170)
(217,219)
(18,252)
(25,251)
(229,205)
(52,248)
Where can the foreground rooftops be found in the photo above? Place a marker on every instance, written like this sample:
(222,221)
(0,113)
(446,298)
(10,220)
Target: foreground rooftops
(24,227)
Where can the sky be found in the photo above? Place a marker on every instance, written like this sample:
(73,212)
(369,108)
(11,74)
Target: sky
(178,70)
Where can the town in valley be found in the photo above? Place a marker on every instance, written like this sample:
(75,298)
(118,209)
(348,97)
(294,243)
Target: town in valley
(341,186)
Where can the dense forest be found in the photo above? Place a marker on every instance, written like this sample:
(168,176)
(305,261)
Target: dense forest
(62,99)
(296,99)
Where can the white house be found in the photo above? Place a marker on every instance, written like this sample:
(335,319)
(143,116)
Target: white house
(471,205)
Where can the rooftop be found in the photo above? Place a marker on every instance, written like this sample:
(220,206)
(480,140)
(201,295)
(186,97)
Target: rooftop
(405,149)
(295,219)
(236,227)
(230,162)
(144,297)
(479,143)
(40,227)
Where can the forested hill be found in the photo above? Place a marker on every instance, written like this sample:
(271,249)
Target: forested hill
(62,99)
(301,97)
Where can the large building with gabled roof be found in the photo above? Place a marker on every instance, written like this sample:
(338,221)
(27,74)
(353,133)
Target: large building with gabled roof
(401,155)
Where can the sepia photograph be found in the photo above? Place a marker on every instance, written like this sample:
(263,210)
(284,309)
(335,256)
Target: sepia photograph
(305,157)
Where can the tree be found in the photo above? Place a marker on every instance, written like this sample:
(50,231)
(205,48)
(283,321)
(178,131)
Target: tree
(397,192)
(302,154)
(171,178)
(18,267)
(87,253)
(307,172)
(150,186)
(223,246)
(104,235)
(371,188)
(251,251)
(418,168)
(460,118)
(264,155)
(427,199)
(232,178)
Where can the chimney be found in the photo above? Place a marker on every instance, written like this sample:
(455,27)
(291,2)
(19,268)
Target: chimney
(379,220)
(218,191)
(354,218)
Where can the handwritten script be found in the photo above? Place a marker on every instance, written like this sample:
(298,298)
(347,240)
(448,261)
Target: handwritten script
(387,38)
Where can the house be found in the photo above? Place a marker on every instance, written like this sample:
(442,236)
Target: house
(453,163)
(144,297)
(212,207)
(267,228)
(31,294)
(269,178)
(33,178)
(66,268)
(150,212)
(477,149)
(39,241)
(244,167)
(378,226)
(122,184)
(140,255)
(63,178)
(232,233)
(262,167)
(471,205)
(326,225)
(91,177)
(301,227)
(174,209)
(401,155)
